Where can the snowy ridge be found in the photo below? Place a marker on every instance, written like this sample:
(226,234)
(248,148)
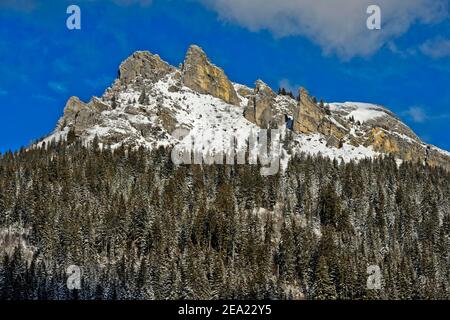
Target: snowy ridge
(359,111)
(315,144)
(149,112)
(212,124)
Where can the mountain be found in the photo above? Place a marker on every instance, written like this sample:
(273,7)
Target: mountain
(99,210)
(150,99)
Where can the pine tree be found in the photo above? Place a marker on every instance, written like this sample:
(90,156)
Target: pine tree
(114,102)
(324,288)
(142,228)
(71,136)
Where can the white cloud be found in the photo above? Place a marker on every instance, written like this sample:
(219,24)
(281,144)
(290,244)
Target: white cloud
(436,48)
(57,87)
(30,5)
(337,26)
(43,98)
(402,52)
(20,5)
(286,84)
(417,114)
(143,3)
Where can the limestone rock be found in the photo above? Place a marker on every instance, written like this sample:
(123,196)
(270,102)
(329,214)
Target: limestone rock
(98,105)
(116,118)
(73,106)
(82,115)
(331,129)
(391,123)
(435,158)
(244,91)
(134,110)
(259,108)
(407,150)
(199,74)
(381,141)
(167,119)
(145,65)
(311,118)
(308,116)
(333,142)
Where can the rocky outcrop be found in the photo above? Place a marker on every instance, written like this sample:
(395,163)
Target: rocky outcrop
(382,141)
(199,74)
(98,105)
(73,106)
(389,142)
(244,91)
(144,65)
(437,158)
(308,116)
(391,123)
(119,117)
(167,119)
(260,104)
(312,118)
(331,128)
(80,115)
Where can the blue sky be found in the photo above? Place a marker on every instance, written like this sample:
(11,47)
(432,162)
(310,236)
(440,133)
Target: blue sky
(325,48)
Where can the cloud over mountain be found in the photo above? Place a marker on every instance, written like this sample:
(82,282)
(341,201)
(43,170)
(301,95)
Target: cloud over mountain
(436,48)
(337,26)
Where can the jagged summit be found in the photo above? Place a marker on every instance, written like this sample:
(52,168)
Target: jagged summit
(150,99)
(145,65)
(199,74)
(259,109)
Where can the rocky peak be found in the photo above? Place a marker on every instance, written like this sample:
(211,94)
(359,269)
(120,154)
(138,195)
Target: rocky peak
(262,89)
(199,74)
(349,129)
(304,94)
(79,115)
(145,65)
(260,105)
(308,116)
(73,105)
(313,118)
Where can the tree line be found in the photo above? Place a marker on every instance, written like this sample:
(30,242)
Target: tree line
(141,228)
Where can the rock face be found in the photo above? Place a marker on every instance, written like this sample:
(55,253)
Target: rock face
(73,107)
(98,105)
(145,65)
(381,141)
(308,116)
(150,99)
(199,74)
(384,141)
(244,91)
(260,104)
(81,116)
(311,118)
(436,158)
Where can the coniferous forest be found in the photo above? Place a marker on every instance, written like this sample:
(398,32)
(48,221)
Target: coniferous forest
(140,228)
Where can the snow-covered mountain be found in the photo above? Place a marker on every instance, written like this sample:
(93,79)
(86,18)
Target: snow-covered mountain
(151,99)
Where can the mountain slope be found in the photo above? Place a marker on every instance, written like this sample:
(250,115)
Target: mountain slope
(150,99)
(139,227)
